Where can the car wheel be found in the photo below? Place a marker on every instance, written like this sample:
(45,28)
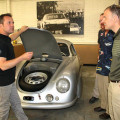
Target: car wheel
(34,80)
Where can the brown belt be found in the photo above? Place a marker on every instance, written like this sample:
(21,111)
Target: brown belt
(115,81)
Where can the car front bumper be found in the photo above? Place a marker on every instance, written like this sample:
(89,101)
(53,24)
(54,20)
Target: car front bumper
(48,105)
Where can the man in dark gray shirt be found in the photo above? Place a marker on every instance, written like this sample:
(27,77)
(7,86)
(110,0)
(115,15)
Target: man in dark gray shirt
(112,21)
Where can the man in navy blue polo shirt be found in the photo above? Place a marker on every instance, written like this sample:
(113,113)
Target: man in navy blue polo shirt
(8,91)
(95,94)
(103,68)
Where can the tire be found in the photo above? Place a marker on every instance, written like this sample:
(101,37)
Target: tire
(34,80)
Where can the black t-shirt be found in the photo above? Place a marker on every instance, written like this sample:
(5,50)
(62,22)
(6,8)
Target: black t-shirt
(7,77)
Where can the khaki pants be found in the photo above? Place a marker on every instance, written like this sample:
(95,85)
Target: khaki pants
(95,90)
(103,83)
(114,100)
(9,96)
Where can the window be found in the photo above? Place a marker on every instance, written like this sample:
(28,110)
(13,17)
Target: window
(73,50)
(64,48)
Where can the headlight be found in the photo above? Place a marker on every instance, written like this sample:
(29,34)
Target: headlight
(63,85)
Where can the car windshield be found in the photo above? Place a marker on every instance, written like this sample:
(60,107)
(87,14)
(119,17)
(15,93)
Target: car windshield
(73,25)
(55,16)
(64,49)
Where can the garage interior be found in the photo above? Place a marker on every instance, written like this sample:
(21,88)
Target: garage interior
(24,13)
(81,110)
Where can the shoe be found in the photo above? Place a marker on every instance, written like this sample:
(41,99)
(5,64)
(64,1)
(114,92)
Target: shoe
(93,100)
(104,116)
(99,109)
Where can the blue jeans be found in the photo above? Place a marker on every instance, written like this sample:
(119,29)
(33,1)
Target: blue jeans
(9,96)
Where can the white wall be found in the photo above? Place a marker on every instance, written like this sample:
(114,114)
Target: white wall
(24,13)
(2,6)
(93,9)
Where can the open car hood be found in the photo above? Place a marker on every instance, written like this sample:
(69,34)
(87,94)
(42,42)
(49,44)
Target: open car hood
(40,42)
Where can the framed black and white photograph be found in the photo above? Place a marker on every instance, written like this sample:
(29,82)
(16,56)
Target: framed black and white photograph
(61,17)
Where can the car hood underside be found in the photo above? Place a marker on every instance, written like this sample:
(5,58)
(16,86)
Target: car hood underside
(40,42)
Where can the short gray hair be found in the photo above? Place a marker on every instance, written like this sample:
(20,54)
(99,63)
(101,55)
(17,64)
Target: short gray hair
(114,9)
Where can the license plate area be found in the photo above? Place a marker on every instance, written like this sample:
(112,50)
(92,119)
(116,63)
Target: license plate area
(28,98)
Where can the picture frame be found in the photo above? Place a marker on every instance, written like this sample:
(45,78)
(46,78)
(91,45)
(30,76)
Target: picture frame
(62,18)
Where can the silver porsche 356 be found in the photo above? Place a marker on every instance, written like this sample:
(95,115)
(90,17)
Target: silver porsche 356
(52,78)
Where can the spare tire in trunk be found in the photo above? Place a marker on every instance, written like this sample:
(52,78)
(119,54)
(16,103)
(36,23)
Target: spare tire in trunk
(34,80)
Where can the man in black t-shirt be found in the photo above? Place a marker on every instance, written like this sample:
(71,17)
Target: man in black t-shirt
(8,91)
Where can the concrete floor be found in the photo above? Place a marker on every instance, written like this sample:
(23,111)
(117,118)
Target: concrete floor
(82,110)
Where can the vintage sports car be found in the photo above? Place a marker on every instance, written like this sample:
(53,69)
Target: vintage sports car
(74,28)
(51,79)
(55,21)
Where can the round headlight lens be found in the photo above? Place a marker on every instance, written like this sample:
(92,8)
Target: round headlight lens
(63,85)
